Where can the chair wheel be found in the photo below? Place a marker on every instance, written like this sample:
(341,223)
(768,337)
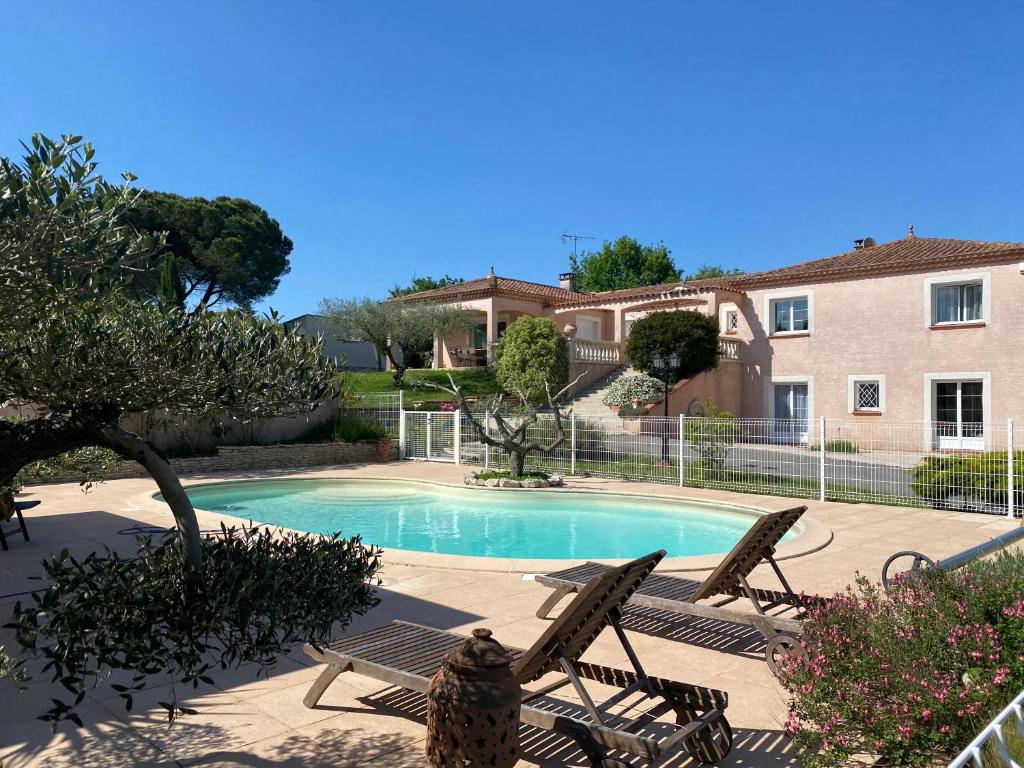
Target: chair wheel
(780,648)
(918,561)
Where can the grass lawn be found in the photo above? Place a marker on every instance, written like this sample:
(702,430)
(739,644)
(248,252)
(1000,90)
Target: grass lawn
(477,382)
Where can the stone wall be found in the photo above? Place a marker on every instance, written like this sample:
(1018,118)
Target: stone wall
(243,458)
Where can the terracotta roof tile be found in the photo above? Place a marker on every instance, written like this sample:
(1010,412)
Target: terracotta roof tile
(502,286)
(911,254)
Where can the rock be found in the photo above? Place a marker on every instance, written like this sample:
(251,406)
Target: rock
(556,481)
(534,483)
(471,478)
(493,482)
(507,482)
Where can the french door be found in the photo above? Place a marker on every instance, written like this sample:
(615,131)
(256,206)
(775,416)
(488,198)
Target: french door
(959,415)
(790,412)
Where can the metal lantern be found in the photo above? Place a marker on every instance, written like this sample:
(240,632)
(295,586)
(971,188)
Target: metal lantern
(473,707)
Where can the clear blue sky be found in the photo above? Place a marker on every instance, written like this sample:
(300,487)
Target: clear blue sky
(390,138)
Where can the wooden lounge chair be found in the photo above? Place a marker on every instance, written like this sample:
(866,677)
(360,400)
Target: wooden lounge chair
(408,655)
(19,506)
(776,614)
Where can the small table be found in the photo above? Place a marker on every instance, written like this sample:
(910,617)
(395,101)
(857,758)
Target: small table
(18,507)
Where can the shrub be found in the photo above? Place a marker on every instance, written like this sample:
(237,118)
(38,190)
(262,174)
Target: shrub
(530,355)
(835,446)
(352,428)
(90,465)
(710,437)
(499,474)
(913,677)
(187,450)
(628,390)
(344,428)
(968,480)
(261,592)
(691,335)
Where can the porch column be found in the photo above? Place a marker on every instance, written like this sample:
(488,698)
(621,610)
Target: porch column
(619,321)
(492,331)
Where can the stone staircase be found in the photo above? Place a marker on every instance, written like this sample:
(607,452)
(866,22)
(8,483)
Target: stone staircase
(587,402)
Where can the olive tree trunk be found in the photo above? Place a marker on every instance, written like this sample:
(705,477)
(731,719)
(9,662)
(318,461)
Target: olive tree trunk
(133,447)
(24,442)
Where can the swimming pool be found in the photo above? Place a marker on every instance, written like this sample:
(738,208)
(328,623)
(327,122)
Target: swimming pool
(423,517)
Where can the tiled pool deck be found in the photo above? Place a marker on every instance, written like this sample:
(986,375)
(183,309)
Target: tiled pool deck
(250,722)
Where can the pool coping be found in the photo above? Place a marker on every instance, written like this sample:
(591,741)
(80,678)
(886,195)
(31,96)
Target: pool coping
(813,537)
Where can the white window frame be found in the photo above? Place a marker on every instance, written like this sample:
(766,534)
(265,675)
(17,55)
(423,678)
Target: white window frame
(931,379)
(769,311)
(723,318)
(592,318)
(851,391)
(769,398)
(931,283)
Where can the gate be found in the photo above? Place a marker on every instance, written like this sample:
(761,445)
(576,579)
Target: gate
(430,436)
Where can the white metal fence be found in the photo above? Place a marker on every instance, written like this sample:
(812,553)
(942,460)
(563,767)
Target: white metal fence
(384,408)
(430,435)
(977,468)
(1000,743)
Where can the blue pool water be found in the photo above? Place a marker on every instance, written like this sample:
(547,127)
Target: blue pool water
(491,523)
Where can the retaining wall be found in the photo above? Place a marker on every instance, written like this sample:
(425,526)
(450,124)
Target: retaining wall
(240,458)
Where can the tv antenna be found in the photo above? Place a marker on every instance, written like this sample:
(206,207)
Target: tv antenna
(566,237)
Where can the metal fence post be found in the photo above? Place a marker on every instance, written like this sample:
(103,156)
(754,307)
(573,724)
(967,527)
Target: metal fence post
(457,435)
(487,446)
(821,456)
(572,444)
(401,426)
(679,448)
(428,435)
(1009,469)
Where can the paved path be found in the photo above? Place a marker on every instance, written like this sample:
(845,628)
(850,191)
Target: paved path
(247,722)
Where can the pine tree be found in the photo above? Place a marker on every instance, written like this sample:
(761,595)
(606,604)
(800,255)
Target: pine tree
(170,292)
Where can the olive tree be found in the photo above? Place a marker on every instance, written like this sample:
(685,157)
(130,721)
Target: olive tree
(81,352)
(514,422)
(409,327)
(78,351)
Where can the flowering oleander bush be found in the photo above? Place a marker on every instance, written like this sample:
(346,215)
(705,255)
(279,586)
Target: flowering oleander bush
(912,677)
(633,389)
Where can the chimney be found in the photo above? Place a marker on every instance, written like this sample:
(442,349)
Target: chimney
(492,280)
(567,280)
(864,242)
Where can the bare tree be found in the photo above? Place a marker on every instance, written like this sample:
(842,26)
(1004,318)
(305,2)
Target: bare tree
(514,425)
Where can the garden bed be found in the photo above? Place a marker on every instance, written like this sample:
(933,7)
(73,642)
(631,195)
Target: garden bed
(498,479)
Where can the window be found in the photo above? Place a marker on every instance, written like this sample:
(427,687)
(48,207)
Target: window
(867,396)
(958,303)
(588,328)
(790,412)
(732,321)
(867,393)
(960,414)
(790,315)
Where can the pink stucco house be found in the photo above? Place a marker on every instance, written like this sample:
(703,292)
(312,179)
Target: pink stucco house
(919,329)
